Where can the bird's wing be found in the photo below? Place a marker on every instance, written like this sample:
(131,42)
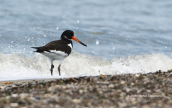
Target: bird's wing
(54,46)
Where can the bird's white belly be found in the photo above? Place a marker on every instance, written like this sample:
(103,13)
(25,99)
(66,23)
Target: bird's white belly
(55,55)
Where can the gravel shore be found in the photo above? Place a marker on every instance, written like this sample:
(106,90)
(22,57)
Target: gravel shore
(128,90)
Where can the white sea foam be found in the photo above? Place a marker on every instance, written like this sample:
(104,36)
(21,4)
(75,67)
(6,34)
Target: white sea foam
(137,64)
(15,66)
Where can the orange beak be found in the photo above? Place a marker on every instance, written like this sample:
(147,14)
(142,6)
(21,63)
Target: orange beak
(74,38)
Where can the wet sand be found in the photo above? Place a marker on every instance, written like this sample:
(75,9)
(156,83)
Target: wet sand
(127,90)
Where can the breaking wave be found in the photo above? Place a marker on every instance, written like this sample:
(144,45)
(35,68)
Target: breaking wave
(17,66)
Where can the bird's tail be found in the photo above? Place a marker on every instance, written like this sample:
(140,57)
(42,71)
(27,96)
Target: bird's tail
(38,50)
(35,47)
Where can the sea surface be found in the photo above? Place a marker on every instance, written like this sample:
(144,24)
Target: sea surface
(122,36)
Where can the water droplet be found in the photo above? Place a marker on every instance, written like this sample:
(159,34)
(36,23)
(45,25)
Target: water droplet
(77,21)
(97,42)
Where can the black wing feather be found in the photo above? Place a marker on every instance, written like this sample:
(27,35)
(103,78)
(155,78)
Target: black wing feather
(54,45)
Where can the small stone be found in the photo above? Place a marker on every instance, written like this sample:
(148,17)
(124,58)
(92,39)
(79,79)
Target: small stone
(128,89)
(64,87)
(18,84)
(149,91)
(3,88)
(81,91)
(138,91)
(122,104)
(57,106)
(23,95)
(48,95)
(13,86)
(7,97)
(8,88)
(57,86)
(137,75)
(14,95)
(100,92)
(111,86)
(22,102)
(7,83)
(50,89)
(123,82)
(145,106)
(14,104)
(76,101)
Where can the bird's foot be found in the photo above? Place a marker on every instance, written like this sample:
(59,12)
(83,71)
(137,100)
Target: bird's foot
(59,70)
(52,66)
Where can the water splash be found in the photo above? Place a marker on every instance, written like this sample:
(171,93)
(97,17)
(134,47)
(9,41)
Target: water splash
(22,66)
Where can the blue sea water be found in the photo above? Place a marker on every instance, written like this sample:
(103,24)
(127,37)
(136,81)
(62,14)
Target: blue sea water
(111,29)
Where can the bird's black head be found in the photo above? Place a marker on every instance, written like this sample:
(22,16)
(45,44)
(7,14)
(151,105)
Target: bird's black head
(68,35)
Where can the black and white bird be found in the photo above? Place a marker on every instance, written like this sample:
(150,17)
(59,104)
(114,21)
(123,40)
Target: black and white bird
(58,49)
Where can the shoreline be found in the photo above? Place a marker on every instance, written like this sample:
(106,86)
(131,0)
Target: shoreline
(126,90)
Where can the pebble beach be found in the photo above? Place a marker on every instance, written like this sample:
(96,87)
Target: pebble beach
(105,91)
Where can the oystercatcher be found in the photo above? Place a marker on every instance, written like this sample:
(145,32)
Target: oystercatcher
(58,49)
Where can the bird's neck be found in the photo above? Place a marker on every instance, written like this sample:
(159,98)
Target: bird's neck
(68,40)
(62,38)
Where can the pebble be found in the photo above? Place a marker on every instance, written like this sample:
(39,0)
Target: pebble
(24,95)
(18,84)
(123,82)
(3,88)
(137,75)
(14,104)
(111,86)
(81,91)
(76,101)
(100,92)
(14,95)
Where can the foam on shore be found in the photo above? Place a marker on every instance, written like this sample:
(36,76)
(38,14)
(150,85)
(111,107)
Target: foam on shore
(16,67)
